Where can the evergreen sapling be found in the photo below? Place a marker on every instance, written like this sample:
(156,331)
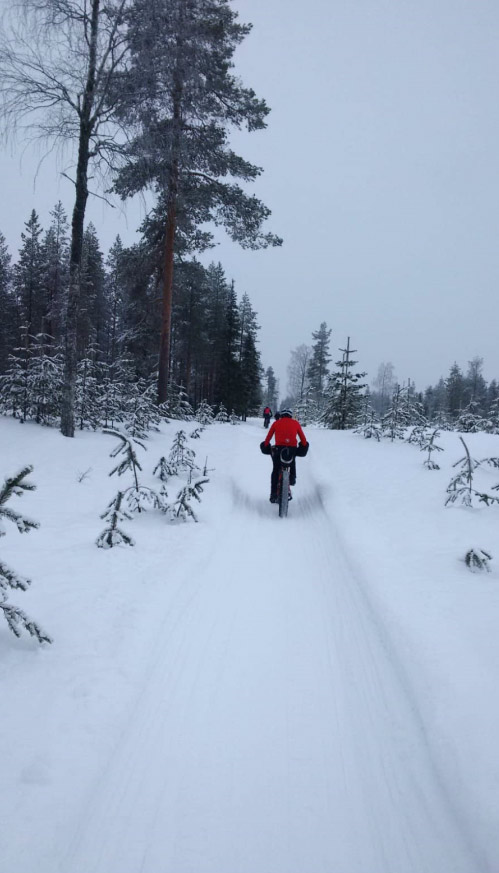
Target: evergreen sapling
(181,457)
(16,618)
(113,535)
(222,415)
(477,560)
(429,445)
(461,488)
(182,508)
(137,496)
(204,413)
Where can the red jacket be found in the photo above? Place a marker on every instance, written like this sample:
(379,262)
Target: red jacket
(286,432)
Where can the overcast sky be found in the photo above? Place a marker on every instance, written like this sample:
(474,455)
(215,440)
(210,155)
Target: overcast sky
(381,168)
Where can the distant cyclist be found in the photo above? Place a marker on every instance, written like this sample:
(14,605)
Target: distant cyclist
(267,414)
(286,432)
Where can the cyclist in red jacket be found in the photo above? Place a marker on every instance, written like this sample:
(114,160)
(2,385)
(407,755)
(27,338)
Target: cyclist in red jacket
(286,432)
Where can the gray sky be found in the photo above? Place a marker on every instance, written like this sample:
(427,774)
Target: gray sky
(381,167)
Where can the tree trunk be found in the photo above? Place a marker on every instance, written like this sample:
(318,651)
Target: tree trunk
(77,224)
(166,316)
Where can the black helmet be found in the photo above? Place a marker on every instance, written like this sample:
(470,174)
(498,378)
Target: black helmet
(287,412)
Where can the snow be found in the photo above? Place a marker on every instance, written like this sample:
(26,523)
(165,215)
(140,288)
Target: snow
(250,693)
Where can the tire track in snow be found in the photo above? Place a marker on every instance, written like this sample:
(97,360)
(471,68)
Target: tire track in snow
(273,733)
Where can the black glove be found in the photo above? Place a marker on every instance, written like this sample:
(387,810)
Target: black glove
(302,450)
(265,449)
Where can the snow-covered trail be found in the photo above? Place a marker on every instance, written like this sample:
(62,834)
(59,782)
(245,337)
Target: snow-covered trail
(273,731)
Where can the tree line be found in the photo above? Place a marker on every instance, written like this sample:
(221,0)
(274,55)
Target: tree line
(214,354)
(338,396)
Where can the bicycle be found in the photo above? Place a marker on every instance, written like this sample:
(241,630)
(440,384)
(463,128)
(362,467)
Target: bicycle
(286,457)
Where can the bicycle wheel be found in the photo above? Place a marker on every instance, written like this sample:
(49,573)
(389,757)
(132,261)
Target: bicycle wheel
(284,495)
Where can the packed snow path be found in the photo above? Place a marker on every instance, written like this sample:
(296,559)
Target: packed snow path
(273,729)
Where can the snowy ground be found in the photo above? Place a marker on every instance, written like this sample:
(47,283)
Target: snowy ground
(250,694)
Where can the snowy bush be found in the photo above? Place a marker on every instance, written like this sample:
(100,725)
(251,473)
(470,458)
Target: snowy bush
(16,618)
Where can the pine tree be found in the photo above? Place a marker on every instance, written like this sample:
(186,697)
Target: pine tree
(92,312)
(271,390)
(395,421)
(455,391)
(55,255)
(429,445)
(342,399)
(222,414)
(28,278)
(318,368)
(138,497)
(115,283)
(87,406)
(16,618)
(183,100)
(461,488)
(182,508)
(112,535)
(204,413)
(45,381)
(8,315)
(470,420)
(178,406)
(367,421)
(181,457)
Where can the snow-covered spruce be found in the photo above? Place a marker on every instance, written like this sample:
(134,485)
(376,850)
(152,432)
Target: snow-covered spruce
(16,618)
(204,413)
(343,399)
(470,419)
(429,445)
(222,414)
(112,535)
(137,496)
(181,457)
(234,419)
(477,560)
(163,470)
(182,508)
(461,488)
(143,414)
(367,421)
(395,421)
(177,405)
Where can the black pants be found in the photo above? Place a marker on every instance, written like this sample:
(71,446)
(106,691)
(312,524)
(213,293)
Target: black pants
(275,472)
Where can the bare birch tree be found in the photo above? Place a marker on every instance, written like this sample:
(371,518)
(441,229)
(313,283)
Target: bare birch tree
(58,62)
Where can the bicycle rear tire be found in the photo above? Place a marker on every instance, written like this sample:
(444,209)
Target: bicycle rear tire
(284,495)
